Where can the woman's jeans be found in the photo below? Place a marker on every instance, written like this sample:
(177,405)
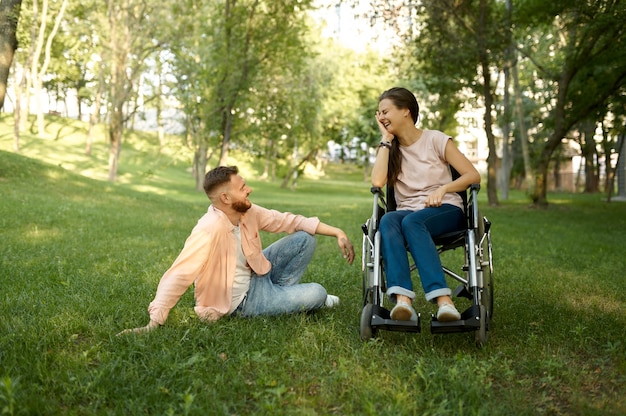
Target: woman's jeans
(280,291)
(416,229)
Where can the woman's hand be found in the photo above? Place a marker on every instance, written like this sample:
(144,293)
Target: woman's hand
(386,136)
(436,197)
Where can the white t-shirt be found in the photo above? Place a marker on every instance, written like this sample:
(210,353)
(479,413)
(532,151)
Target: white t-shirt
(242,275)
(424,169)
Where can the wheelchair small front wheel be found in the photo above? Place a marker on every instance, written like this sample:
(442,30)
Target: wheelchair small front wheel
(366,330)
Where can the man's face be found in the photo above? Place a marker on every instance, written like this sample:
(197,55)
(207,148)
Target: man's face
(238,194)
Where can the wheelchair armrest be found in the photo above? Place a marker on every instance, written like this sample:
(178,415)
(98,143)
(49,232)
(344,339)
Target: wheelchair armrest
(376,190)
(475,187)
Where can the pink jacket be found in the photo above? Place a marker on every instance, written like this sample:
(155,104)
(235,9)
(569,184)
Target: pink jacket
(209,258)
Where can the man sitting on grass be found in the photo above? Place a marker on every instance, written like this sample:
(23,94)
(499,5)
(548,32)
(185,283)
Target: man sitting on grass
(233,275)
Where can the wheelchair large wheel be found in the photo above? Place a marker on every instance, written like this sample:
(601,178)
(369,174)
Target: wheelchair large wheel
(486,261)
(481,332)
(366,330)
(486,294)
(367,268)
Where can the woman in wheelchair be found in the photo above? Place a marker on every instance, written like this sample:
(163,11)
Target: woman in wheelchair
(416,164)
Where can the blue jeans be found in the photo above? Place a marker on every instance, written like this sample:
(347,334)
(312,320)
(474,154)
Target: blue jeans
(416,229)
(280,291)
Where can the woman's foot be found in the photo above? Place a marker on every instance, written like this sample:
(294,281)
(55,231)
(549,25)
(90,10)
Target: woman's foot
(403,311)
(447,312)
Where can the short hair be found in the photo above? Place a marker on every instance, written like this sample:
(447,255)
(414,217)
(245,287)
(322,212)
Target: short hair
(402,98)
(218,176)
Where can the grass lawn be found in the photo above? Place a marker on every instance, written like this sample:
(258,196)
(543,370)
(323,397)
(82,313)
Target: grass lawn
(80,259)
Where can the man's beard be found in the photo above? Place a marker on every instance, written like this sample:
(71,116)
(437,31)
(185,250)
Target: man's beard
(241,206)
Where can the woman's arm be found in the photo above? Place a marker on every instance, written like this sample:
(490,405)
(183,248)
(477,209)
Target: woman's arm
(379,170)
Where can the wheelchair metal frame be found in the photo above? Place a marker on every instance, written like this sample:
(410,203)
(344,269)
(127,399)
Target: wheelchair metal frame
(476,283)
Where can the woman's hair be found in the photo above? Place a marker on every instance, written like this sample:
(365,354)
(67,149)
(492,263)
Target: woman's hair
(218,176)
(402,99)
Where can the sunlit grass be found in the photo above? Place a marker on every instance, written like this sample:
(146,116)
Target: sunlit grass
(80,259)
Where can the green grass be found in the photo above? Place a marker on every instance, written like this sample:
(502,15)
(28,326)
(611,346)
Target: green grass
(80,259)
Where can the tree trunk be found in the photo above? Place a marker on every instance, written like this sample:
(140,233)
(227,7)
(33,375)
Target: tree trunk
(119,49)
(492,183)
(34,69)
(17,111)
(505,169)
(159,105)
(294,169)
(588,145)
(611,170)
(9,17)
(200,165)
(27,75)
(37,72)
(509,61)
(269,159)
(523,133)
(227,127)
(539,196)
(95,116)
(116,130)
(556,172)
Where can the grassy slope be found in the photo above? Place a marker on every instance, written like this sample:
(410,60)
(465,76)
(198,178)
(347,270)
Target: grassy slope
(80,259)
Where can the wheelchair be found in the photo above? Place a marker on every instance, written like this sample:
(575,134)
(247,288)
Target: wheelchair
(475,275)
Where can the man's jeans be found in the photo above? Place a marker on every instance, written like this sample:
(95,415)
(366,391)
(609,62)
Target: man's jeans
(415,229)
(280,290)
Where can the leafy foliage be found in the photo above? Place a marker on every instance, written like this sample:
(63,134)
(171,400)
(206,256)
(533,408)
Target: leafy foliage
(81,258)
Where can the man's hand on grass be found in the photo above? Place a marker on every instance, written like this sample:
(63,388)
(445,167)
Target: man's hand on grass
(151,325)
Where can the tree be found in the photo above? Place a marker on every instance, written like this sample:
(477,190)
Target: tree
(40,69)
(582,63)
(9,17)
(242,50)
(39,56)
(132,38)
(460,45)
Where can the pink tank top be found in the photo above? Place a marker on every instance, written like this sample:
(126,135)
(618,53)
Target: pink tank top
(424,169)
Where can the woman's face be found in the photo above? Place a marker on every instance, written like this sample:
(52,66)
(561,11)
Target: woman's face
(391,116)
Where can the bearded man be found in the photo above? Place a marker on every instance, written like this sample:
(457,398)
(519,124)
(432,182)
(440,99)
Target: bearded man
(232,273)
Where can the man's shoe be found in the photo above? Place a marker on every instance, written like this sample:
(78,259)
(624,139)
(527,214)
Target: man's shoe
(448,313)
(403,311)
(331,301)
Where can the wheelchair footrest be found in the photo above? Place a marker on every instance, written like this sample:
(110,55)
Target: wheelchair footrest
(470,321)
(381,319)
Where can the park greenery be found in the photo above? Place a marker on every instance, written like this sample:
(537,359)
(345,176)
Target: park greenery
(93,210)
(256,75)
(81,256)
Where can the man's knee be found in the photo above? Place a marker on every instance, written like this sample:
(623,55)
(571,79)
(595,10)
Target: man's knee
(306,241)
(317,293)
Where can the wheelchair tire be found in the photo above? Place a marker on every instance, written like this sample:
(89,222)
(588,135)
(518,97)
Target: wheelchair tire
(487,295)
(366,330)
(366,268)
(481,332)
